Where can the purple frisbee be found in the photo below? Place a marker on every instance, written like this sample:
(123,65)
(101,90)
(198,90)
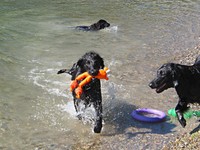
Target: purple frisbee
(148,115)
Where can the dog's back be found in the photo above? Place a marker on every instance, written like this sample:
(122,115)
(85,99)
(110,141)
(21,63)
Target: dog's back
(83,28)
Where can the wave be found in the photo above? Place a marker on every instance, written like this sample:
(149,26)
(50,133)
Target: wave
(46,79)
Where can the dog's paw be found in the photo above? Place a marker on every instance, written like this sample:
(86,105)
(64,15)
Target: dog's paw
(97,129)
(182,122)
(181,119)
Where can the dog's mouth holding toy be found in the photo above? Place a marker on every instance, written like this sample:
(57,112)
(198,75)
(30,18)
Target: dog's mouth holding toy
(86,78)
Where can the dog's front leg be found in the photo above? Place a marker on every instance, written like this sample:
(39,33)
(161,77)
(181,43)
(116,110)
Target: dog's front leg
(98,119)
(77,108)
(181,107)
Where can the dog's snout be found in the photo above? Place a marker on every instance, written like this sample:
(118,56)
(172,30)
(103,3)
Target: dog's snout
(93,72)
(151,85)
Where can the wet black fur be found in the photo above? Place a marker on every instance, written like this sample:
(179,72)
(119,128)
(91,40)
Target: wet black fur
(186,81)
(92,63)
(101,24)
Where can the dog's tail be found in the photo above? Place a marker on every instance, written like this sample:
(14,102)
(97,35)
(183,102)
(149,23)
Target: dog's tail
(63,71)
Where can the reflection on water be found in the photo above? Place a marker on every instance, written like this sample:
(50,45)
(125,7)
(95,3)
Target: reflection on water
(36,41)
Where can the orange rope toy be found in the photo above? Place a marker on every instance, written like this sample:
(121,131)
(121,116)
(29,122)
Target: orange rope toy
(86,78)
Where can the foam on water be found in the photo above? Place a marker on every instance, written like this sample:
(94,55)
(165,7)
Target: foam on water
(113,29)
(87,115)
(69,108)
(45,79)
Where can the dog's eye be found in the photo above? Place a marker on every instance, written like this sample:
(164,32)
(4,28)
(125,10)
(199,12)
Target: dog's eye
(88,62)
(161,73)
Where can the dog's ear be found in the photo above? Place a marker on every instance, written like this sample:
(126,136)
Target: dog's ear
(102,63)
(72,69)
(94,27)
(97,26)
(175,78)
(174,70)
(79,62)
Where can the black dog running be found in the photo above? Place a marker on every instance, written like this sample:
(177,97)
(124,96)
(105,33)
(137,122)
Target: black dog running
(186,81)
(91,62)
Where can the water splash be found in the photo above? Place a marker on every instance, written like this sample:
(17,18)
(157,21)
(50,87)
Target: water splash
(111,29)
(87,115)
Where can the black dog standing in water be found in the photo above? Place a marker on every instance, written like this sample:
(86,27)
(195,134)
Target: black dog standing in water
(186,81)
(101,24)
(91,62)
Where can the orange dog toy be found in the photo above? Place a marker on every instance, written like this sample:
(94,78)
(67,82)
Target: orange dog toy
(86,78)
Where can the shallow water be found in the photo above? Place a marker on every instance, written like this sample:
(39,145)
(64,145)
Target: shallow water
(36,110)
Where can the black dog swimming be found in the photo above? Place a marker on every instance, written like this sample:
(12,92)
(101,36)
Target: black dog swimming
(90,62)
(101,24)
(186,81)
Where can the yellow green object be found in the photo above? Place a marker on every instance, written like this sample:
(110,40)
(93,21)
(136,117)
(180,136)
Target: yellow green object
(187,114)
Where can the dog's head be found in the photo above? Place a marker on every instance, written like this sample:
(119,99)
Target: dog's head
(166,78)
(91,62)
(101,24)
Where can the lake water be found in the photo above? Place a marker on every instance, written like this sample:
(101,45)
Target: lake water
(36,40)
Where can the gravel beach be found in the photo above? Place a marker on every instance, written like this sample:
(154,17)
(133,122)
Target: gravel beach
(188,57)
